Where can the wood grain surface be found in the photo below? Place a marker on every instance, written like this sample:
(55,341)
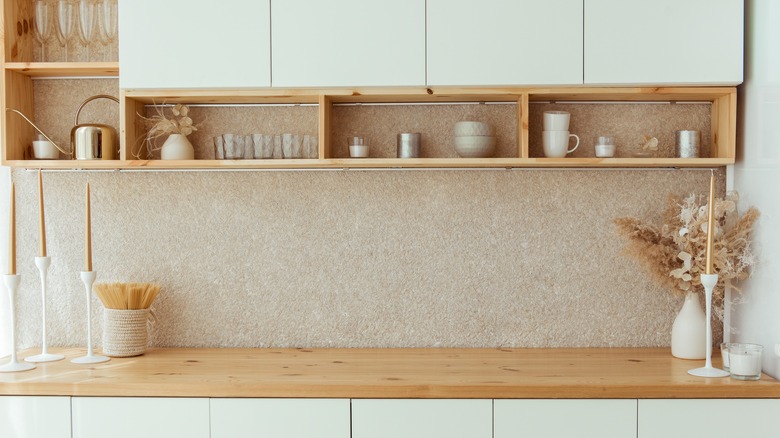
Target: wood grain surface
(385,373)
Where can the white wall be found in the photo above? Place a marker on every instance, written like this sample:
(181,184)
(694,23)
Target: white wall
(5,178)
(757,177)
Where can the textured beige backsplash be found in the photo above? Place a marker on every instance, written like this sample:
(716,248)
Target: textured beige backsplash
(356,258)
(474,258)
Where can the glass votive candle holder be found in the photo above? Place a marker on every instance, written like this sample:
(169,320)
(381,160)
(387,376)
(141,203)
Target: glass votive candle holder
(745,361)
(724,354)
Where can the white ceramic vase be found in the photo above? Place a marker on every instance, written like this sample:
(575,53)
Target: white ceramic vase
(177,147)
(689,335)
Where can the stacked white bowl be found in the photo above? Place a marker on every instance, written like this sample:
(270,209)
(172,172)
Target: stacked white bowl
(474,140)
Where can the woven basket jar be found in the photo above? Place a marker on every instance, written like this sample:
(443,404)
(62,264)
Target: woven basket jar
(124,332)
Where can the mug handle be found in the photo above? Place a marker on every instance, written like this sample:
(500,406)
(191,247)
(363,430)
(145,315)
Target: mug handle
(576,145)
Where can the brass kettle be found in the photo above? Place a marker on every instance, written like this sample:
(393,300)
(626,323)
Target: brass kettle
(90,141)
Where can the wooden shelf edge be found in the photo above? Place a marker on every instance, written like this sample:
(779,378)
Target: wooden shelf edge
(375,163)
(64,69)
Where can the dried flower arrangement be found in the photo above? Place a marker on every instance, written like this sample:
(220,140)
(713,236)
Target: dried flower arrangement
(675,251)
(160,125)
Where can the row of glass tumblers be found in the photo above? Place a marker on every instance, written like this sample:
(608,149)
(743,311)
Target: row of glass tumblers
(265,146)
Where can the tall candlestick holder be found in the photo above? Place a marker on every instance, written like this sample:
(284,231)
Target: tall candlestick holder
(88,278)
(12,284)
(43,264)
(708,281)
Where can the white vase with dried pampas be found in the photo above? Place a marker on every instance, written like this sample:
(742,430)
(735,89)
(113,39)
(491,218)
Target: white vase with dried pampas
(175,128)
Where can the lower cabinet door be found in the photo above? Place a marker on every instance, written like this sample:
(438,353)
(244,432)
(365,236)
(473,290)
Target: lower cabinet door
(565,418)
(381,418)
(279,418)
(34,417)
(719,418)
(133,417)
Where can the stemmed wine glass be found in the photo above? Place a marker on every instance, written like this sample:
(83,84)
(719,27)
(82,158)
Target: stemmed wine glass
(64,24)
(42,24)
(86,23)
(107,21)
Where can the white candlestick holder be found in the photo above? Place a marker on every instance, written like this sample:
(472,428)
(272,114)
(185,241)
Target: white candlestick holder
(88,278)
(708,281)
(43,264)
(12,284)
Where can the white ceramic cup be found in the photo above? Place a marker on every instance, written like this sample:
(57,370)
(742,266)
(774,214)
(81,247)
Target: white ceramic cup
(556,143)
(556,120)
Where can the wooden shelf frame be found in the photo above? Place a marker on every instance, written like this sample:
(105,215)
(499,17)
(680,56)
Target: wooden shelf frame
(132,102)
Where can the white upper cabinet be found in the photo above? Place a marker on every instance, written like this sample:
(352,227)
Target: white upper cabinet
(186,44)
(348,43)
(504,42)
(662,42)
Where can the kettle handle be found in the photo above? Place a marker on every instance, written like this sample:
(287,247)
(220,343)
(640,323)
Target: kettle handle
(90,99)
(14,110)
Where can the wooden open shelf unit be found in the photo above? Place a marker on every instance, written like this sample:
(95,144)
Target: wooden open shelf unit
(132,102)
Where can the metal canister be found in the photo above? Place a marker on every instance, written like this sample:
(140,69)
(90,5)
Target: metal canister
(409,145)
(687,143)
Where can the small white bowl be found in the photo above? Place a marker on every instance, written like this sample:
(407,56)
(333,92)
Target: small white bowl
(358,150)
(605,150)
(475,146)
(468,129)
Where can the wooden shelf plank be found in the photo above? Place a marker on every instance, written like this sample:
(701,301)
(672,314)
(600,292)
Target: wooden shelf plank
(64,69)
(377,163)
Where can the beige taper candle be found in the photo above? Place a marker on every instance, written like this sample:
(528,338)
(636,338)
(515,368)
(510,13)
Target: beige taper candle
(710,226)
(42,220)
(12,232)
(88,237)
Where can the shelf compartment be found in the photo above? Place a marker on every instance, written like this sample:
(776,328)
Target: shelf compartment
(380,123)
(214,116)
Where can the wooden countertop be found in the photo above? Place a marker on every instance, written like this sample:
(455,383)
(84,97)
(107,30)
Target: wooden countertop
(384,373)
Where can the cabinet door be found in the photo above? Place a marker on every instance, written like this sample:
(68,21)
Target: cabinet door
(35,417)
(348,43)
(186,44)
(280,418)
(500,42)
(663,42)
(565,418)
(131,417)
(722,418)
(422,418)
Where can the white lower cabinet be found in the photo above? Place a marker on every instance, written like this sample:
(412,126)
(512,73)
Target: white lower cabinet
(711,418)
(280,418)
(134,417)
(565,418)
(383,418)
(34,417)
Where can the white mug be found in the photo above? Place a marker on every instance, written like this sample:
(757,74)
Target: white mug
(556,143)
(556,120)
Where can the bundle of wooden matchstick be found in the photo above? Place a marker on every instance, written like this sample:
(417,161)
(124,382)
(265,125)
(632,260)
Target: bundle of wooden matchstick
(127,296)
